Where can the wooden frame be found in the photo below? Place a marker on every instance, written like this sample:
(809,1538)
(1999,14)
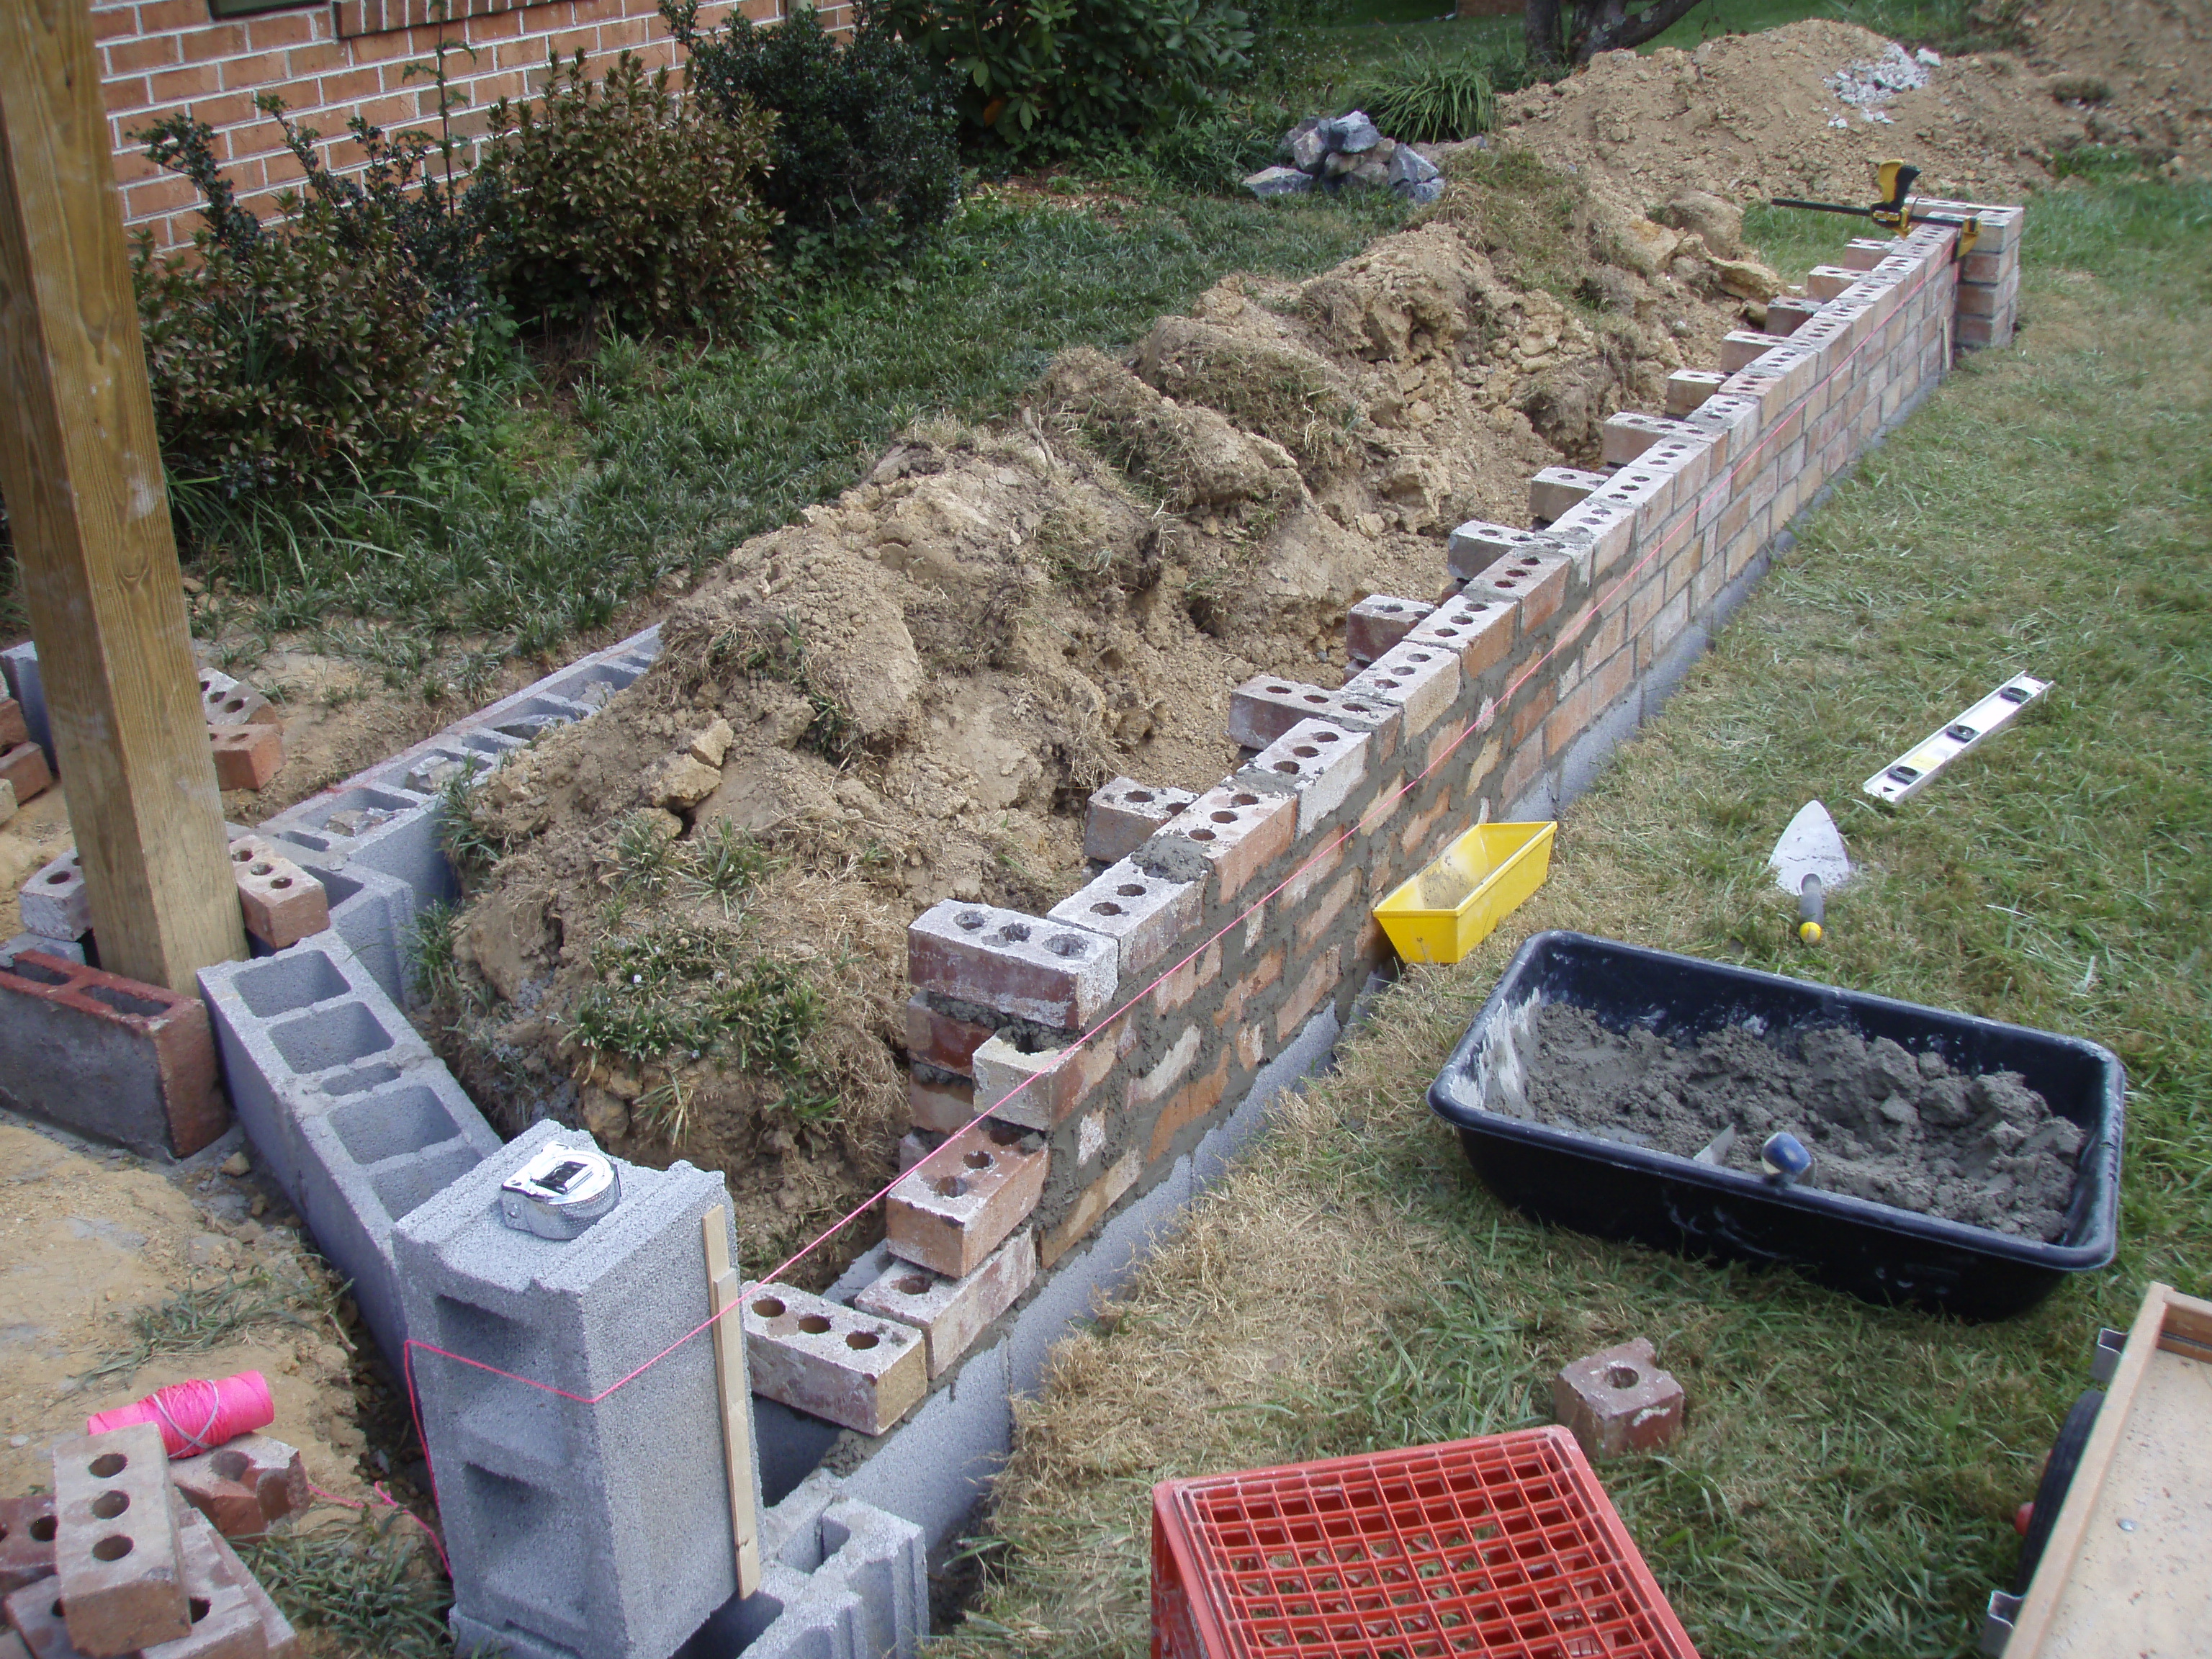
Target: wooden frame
(2124,1572)
(724,1293)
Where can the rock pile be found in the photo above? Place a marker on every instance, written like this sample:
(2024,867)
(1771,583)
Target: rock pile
(1340,150)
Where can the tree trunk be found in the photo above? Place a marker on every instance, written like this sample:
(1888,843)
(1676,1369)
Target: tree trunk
(1608,26)
(1540,32)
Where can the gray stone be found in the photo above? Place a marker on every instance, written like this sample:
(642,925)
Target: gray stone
(1278,181)
(1307,147)
(1353,132)
(595,1531)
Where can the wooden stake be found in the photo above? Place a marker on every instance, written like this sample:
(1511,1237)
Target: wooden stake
(722,1291)
(81,472)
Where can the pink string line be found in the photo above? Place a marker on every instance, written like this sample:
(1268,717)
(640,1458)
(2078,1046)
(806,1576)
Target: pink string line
(377,1487)
(1376,814)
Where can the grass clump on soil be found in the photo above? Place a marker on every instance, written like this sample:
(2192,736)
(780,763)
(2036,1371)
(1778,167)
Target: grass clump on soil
(370,1591)
(205,1315)
(1848,1478)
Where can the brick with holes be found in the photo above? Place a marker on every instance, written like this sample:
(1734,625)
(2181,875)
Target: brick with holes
(244,1484)
(1539,581)
(26,1540)
(1048,972)
(1261,709)
(1786,313)
(1236,831)
(1120,816)
(53,902)
(951,1212)
(240,705)
(1379,622)
(282,902)
(1618,1401)
(246,757)
(1688,388)
(116,1565)
(1556,489)
(1142,914)
(951,1313)
(1479,629)
(1421,680)
(857,1370)
(1320,763)
(1478,544)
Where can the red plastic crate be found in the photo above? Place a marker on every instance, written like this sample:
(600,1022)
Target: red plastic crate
(1506,1546)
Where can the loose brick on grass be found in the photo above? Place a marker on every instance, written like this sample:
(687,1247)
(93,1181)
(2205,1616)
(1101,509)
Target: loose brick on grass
(116,1565)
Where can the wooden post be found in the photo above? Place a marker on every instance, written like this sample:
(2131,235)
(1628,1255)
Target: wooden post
(729,1334)
(81,471)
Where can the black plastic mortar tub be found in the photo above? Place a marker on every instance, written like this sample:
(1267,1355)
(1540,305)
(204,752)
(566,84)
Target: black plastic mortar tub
(1872,1250)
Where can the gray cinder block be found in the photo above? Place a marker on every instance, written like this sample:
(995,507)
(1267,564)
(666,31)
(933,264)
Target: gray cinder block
(352,1115)
(576,1531)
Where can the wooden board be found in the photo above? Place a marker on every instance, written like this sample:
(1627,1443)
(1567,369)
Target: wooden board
(81,471)
(729,1339)
(2125,1573)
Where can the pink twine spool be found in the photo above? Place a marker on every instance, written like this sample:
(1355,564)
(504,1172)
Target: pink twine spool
(196,1417)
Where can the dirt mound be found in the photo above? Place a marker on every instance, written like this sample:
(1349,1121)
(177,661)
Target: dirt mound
(1756,115)
(693,940)
(2138,72)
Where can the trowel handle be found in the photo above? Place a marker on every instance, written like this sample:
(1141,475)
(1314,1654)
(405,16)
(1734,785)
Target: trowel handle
(1812,910)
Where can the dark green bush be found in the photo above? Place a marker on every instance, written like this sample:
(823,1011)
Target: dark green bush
(626,204)
(319,350)
(1053,76)
(863,160)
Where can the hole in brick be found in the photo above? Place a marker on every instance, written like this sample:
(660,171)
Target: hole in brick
(1387,685)
(292,982)
(1004,1134)
(769,1308)
(230,1465)
(1224,818)
(977,1160)
(335,1036)
(260,869)
(1139,795)
(1447,632)
(1131,889)
(58,1609)
(913,1284)
(198,1607)
(1392,610)
(1201,835)
(58,879)
(1622,1377)
(949,1187)
(1316,697)
(42,1530)
(241,854)
(1107,908)
(113,1548)
(1286,766)
(1014,932)
(970,919)
(281,883)
(108,1465)
(1357,708)
(1068,945)
(1324,737)
(109,1505)
(1305,752)
(1279,690)
(234,705)
(1244,801)
(1418,656)
(862,1341)
(813,1324)
(36,975)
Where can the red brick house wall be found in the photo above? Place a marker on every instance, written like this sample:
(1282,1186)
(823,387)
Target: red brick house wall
(329,60)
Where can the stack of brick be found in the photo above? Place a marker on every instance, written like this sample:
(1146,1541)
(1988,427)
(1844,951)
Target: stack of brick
(1989,275)
(245,734)
(1133,1013)
(23,770)
(113,1566)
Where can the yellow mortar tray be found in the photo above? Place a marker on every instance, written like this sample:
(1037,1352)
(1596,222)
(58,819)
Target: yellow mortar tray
(1451,904)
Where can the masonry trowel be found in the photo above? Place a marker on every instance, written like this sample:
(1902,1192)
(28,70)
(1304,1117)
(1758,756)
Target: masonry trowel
(1808,862)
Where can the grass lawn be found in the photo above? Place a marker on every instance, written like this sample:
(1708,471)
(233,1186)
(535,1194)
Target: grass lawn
(1849,1474)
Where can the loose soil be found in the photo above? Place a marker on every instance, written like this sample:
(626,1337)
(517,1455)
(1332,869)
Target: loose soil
(1881,1123)
(908,695)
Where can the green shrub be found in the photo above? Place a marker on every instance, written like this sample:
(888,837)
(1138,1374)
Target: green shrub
(1432,99)
(1056,75)
(317,351)
(862,160)
(1214,152)
(626,204)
